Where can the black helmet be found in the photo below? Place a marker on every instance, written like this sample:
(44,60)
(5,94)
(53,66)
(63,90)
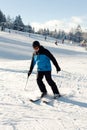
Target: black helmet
(36,44)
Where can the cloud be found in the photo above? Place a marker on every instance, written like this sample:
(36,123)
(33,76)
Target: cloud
(77,20)
(52,25)
(65,24)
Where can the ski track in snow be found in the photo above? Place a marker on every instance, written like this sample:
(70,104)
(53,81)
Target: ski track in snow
(17,113)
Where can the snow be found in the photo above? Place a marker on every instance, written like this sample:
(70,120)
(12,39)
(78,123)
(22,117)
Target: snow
(16,112)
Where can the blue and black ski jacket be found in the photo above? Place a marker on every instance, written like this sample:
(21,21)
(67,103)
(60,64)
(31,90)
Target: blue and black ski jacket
(42,58)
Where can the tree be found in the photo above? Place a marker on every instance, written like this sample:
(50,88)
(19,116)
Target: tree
(18,24)
(9,22)
(78,34)
(2,21)
(2,17)
(28,28)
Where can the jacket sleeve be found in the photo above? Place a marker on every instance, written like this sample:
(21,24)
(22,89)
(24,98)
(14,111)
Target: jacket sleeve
(32,64)
(52,58)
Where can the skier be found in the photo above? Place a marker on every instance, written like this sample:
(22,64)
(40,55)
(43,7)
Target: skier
(56,42)
(42,58)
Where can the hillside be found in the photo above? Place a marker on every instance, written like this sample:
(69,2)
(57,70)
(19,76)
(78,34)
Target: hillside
(16,112)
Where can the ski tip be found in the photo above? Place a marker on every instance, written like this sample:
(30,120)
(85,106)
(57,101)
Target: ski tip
(32,100)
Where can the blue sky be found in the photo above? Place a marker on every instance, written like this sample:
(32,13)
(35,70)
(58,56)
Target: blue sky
(43,12)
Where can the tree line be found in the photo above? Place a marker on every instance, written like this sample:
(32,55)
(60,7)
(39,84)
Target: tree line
(76,35)
(15,24)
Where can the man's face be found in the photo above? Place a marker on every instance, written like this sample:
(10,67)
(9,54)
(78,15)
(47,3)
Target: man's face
(36,49)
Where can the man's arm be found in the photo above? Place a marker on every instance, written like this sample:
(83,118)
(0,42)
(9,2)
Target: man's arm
(52,58)
(31,66)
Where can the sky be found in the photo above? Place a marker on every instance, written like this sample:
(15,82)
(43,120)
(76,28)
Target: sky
(52,14)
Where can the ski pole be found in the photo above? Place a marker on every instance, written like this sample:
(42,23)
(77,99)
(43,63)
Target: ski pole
(26,83)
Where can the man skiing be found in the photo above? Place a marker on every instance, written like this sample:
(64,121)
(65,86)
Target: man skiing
(42,58)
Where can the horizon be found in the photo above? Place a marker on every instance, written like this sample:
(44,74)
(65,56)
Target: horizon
(64,14)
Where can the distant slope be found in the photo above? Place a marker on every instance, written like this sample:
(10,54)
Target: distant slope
(19,47)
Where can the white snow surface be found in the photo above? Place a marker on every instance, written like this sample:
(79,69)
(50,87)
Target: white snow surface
(16,112)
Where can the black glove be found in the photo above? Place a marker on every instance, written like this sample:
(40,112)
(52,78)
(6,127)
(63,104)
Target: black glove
(29,73)
(59,69)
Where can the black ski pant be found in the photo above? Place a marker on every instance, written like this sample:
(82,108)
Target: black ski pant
(48,77)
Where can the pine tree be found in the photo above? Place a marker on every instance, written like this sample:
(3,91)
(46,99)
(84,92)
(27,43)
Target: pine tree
(78,33)
(18,24)
(2,17)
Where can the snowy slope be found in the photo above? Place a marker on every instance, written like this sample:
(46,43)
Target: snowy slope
(16,112)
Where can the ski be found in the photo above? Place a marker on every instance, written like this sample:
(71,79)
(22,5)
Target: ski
(49,102)
(39,99)
(35,100)
(45,100)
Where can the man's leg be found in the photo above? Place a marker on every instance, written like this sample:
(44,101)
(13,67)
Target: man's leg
(40,82)
(51,82)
